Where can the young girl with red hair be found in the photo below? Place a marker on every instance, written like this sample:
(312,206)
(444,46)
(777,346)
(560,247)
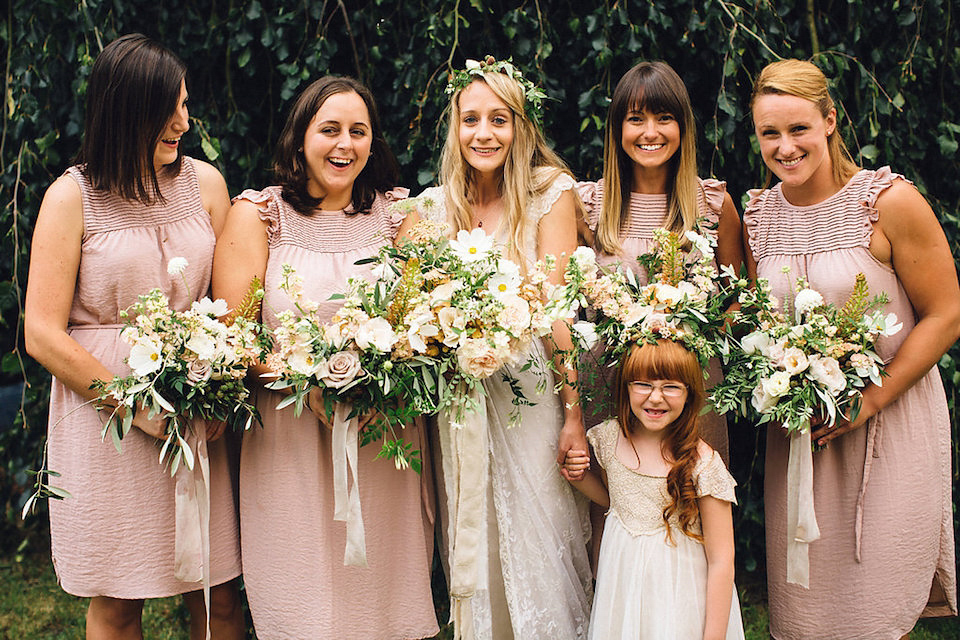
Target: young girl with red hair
(666,560)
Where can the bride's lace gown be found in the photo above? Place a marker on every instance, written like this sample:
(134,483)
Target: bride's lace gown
(534,575)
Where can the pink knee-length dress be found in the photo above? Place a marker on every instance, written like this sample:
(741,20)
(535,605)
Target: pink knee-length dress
(646,213)
(296,582)
(115,537)
(881,493)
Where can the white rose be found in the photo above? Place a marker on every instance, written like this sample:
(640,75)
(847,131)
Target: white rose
(794,360)
(477,359)
(826,371)
(202,344)
(302,361)
(761,400)
(452,323)
(587,333)
(756,341)
(444,292)
(667,294)
(777,384)
(376,333)
(515,315)
(586,259)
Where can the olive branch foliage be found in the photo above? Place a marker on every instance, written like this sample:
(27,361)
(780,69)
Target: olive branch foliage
(894,66)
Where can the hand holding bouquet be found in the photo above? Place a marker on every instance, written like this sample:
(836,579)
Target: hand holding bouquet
(808,359)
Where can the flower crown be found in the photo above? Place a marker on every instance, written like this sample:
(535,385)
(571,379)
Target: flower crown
(533,96)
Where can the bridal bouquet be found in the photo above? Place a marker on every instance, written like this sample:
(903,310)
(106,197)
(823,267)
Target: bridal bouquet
(186,365)
(683,300)
(437,317)
(806,357)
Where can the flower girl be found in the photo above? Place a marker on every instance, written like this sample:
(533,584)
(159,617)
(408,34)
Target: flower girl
(666,560)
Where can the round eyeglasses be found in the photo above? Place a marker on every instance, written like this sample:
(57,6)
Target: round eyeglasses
(669,389)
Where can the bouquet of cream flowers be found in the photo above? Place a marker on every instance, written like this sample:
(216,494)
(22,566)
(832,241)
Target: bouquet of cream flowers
(437,318)
(683,300)
(809,356)
(185,364)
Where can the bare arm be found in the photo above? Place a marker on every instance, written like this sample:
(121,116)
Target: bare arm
(716,519)
(589,483)
(54,264)
(729,235)
(911,239)
(557,236)
(213,194)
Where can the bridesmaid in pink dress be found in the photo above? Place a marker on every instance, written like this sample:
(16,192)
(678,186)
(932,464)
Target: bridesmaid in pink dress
(649,182)
(885,555)
(104,234)
(329,210)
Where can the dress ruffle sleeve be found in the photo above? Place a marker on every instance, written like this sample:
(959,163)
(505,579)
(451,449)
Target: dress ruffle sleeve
(591,194)
(267,207)
(542,205)
(602,438)
(751,216)
(395,215)
(882,180)
(713,192)
(712,479)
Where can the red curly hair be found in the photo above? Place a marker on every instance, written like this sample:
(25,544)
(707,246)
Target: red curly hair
(668,360)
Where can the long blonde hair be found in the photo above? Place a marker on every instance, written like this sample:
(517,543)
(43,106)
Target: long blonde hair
(530,168)
(804,79)
(657,87)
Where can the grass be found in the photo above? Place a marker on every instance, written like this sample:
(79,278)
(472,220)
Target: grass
(33,606)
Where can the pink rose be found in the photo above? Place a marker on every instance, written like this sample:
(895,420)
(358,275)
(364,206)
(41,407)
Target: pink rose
(342,368)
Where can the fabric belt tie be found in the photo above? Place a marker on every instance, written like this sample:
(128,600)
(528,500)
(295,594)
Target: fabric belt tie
(346,498)
(874,427)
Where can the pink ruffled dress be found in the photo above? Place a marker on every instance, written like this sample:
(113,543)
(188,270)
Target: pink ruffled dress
(648,212)
(881,493)
(296,582)
(115,537)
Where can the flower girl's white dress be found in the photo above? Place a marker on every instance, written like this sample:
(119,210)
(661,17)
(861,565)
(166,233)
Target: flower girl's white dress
(647,587)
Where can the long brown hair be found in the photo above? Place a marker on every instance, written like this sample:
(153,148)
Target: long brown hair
(804,79)
(668,360)
(133,90)
(654,86)
(380,174)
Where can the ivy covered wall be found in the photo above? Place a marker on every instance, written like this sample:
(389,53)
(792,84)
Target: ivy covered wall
(895,68)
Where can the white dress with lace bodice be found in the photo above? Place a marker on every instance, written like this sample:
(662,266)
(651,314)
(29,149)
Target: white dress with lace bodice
(535,579)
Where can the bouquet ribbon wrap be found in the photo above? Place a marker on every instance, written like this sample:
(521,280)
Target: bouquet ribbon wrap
(802,528)
(346,498)
(192,501)
(463,447)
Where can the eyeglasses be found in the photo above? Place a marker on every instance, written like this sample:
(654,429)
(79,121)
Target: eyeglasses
(669,389)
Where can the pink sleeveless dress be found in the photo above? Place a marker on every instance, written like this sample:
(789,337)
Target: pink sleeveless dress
(881,493)
(115,536)
(648,212)
(296,583)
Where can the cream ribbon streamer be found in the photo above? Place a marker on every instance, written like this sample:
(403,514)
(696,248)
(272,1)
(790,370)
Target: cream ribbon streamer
(346,499)
(192,503)
(464,452)
(802,528)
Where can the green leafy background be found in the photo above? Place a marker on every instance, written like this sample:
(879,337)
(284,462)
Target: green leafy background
(895,67)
